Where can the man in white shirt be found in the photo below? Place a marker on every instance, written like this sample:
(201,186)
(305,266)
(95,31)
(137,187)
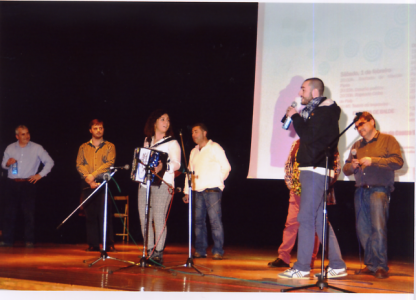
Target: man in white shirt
(211,168)
(22,160)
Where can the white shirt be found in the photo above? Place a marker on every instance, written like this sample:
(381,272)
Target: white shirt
(210,165)
(173,150)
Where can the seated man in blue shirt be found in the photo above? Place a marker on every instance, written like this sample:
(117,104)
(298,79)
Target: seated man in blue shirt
(22,160)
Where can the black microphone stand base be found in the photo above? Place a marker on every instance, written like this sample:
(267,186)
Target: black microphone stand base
(190,264)
(321,284)
(144,262)
(105,256)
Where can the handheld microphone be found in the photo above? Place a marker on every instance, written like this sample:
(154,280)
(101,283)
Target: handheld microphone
(354,153)
(125,167)
(294,104)
(288,120)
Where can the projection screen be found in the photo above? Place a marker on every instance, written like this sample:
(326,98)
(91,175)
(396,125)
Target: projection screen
(364,53)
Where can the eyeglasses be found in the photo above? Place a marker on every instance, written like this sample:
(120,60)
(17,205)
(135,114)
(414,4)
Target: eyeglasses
(359,125)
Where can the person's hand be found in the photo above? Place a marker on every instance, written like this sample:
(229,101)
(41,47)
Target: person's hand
(290,111)
(10,161)
(365,161)
(89,179)
(185,198)
(94,185)
(355,163)
(33,179)
(159,167)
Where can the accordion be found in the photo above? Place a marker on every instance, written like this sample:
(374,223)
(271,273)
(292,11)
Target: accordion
(145,158)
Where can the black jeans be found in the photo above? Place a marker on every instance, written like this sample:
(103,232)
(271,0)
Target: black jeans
(19,194)
(94,214)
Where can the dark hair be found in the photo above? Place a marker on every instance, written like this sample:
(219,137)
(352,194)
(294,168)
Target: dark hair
(368,117)
(149,127)
(202,125)
(96,122)
(317,84)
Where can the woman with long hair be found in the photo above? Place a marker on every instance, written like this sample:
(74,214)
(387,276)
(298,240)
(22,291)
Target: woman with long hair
(159,136)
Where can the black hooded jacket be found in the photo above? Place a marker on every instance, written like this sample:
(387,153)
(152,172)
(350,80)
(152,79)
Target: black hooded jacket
(316,133)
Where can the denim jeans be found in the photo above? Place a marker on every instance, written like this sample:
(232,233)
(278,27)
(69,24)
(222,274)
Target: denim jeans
(310,220)
(371,215)
(208,202)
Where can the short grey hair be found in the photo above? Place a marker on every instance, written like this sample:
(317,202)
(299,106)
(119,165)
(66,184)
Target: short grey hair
(20,126)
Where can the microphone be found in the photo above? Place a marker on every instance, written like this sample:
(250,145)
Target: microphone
(294,104)
(354,155)
(288,120)
(106,176)
(125,167)
(357,116)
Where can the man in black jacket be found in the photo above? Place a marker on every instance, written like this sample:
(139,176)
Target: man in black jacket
(316,126)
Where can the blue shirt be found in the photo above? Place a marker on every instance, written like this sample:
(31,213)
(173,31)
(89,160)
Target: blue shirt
(28,160)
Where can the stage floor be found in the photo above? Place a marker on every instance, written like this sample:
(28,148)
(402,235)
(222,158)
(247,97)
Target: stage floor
(53,267)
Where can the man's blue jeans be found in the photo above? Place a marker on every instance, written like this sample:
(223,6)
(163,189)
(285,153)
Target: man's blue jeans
(208,202)
(371,215)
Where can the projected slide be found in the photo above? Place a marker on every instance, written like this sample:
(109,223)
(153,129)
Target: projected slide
(364,53)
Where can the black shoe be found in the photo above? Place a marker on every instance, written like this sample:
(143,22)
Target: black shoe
(93,249)
(197,255)
(381,274)
(150,252)
(217,256)
(155,260)
(278,263)
(364,271)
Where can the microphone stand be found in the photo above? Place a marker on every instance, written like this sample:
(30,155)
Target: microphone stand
(103,252)
(323,279)
(189,262)
(144,261)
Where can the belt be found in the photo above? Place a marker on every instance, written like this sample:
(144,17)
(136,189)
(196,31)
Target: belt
(366,186)
(214,190)
(20,179)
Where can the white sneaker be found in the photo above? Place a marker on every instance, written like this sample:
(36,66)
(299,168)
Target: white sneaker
(294,274)
(334,273)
